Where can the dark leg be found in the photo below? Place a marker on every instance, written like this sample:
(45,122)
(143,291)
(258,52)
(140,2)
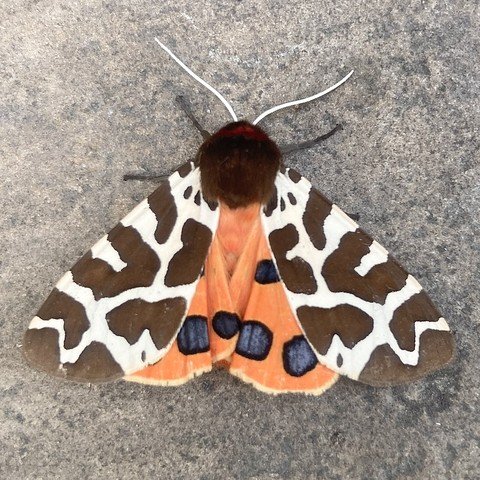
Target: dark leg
(183,105)
(292,147)
(139,176)
(188,112)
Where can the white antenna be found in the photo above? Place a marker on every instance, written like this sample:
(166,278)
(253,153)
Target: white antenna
(303,100)
(198,79)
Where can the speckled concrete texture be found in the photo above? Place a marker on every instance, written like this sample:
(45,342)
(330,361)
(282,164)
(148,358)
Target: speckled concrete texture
(87,96)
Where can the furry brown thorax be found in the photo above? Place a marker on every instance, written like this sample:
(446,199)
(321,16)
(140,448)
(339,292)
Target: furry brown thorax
(238,165)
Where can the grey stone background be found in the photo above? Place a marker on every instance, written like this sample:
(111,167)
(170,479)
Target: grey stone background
(87,96)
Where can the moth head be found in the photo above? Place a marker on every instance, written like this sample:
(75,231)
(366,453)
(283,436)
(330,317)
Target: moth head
(238,165)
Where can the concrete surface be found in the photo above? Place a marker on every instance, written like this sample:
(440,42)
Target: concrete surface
(87,96)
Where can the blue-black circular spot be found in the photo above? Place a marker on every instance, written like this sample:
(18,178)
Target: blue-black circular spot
(266,272)
(193,336)
(298,356)
(255,340)
(226,324)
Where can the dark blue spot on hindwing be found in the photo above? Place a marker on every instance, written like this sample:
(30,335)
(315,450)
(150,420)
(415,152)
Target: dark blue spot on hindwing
(298,356)
(225,324)
(255,340)
(193,336)
(266,272)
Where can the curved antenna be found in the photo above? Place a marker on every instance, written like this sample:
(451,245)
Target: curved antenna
(198,79)
(303,100)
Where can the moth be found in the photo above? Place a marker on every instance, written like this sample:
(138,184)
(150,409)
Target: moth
(237,260)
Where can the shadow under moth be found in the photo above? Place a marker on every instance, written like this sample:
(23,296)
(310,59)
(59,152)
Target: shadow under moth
(237,260)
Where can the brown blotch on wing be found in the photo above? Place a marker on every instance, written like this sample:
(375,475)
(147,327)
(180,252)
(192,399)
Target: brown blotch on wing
(296,274)
(162,203)
(162,319)
(186,265)
(142,265)
(340,275)
(41,349)
(185,169)
(317,210)
(346,321)
(95,364)
(61,305)
(418,308)
(294,175)
(385,368)
(238,165)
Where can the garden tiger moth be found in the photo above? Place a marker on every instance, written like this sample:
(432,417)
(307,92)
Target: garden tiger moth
(238,260)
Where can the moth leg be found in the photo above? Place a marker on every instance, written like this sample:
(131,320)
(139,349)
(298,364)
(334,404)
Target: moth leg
(188,112)
(205,134)
(139,176)
(294,147)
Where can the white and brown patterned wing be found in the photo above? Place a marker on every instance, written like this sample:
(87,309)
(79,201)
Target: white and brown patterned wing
(362,313)
(121,306)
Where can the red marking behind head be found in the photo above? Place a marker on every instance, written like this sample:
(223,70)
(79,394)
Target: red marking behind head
(242,129)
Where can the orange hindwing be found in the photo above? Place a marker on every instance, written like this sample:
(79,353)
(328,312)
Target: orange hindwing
(251,328)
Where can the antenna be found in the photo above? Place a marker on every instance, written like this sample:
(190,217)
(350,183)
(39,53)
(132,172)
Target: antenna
(229,107)
(198,79)
(303,100)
